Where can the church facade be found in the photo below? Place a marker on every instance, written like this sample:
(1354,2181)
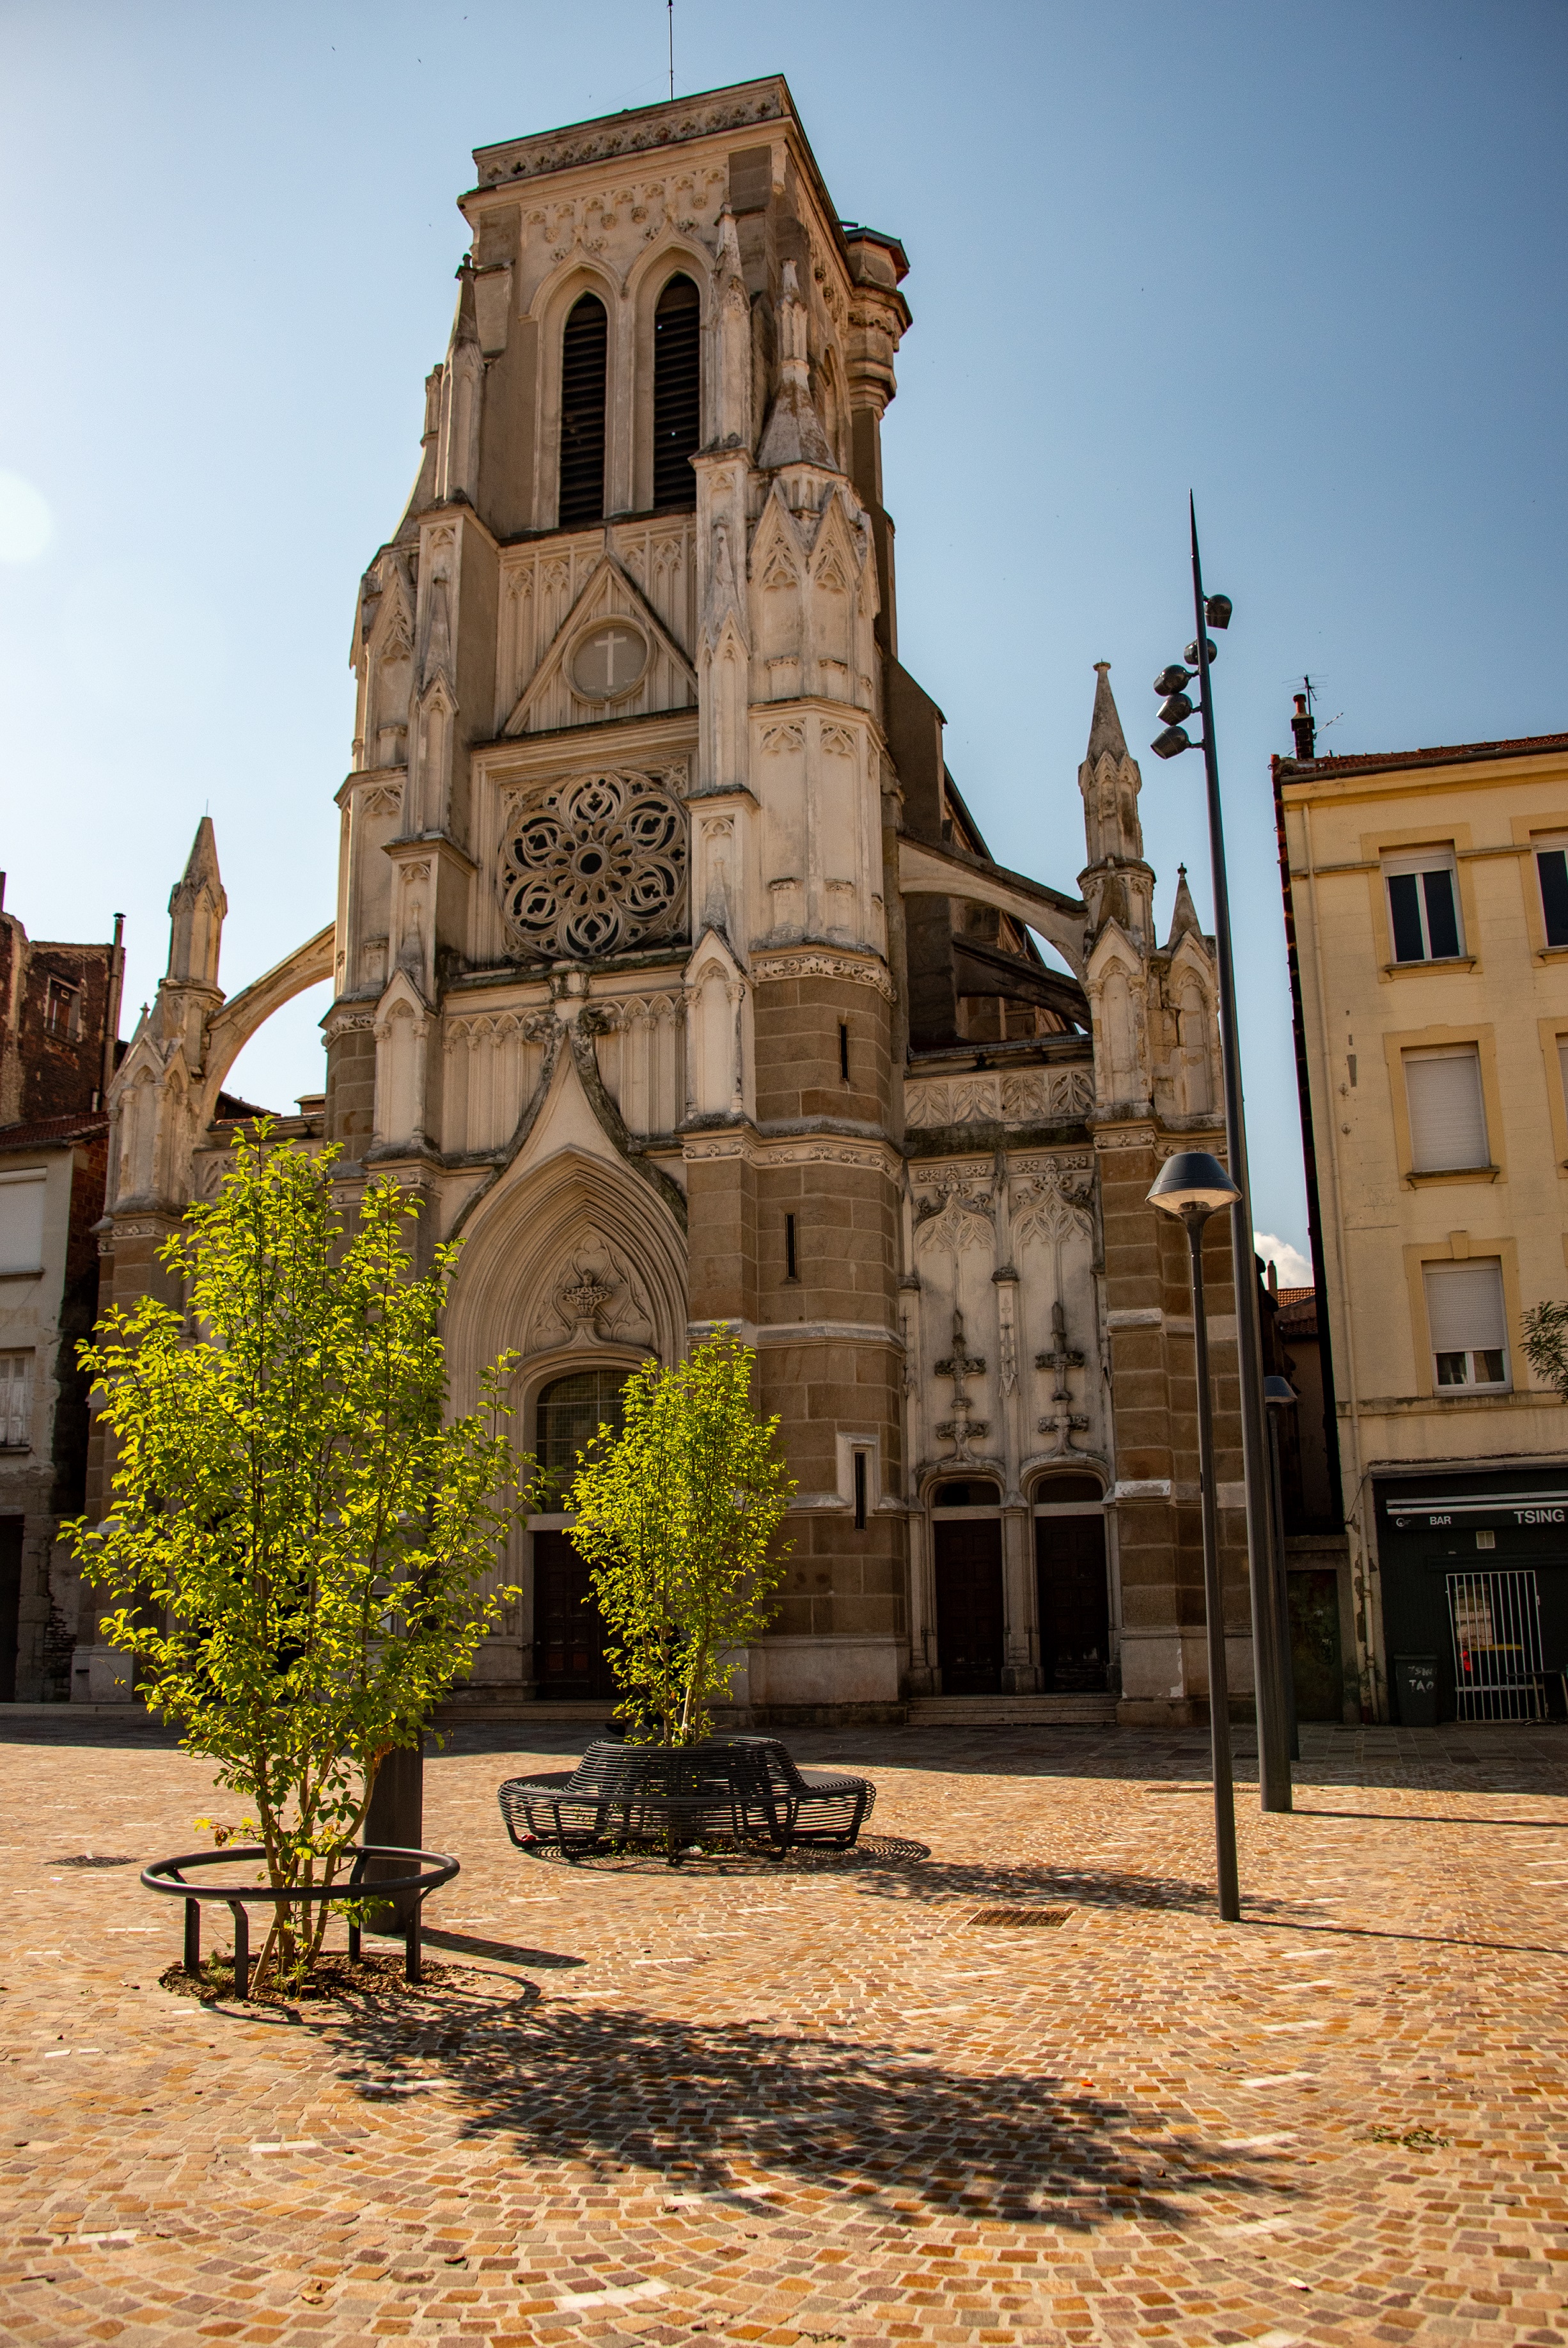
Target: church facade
(672,975)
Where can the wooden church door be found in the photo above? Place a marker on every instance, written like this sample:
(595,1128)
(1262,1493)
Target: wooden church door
(969,1611)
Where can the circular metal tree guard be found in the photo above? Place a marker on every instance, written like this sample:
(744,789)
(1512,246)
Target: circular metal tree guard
(431,1868)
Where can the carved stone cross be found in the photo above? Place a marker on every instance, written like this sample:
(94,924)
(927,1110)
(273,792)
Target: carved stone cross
(960,1365)
(1060,1360)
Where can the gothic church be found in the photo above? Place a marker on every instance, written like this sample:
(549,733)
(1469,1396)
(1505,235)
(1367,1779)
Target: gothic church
(673,973)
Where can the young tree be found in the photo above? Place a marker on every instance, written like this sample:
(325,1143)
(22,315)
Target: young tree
(1546,1342)
(295,1542)
(675,1519)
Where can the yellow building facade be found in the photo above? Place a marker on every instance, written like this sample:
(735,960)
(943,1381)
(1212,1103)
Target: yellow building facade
(1426,908)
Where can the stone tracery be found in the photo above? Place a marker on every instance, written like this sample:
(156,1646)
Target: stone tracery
(593,865)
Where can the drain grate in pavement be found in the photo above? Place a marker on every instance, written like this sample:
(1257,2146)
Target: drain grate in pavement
(89,1858)
(1020,1916)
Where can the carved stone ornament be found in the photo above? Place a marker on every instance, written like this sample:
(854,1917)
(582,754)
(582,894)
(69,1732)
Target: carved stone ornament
(593,865)
(593,1296)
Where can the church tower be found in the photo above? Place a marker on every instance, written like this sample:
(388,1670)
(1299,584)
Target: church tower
(672,975)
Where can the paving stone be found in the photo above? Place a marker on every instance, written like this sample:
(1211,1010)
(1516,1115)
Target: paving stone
(820,2103)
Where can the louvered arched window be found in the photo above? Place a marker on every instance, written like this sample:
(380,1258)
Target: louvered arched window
(677,393)
(584,350)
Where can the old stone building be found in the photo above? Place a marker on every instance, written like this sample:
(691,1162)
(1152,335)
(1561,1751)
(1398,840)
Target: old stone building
(59,1017)
(672,975)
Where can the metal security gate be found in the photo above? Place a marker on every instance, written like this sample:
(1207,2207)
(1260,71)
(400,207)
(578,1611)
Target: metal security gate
(1495,1619)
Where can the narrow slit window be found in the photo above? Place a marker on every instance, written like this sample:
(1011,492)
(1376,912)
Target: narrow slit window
(844,1050)
(677,393)
(585,350)
(1423,906)
(1465,1314)
(859,1491)
(1448,1114)
(1552,866)
(790,1270)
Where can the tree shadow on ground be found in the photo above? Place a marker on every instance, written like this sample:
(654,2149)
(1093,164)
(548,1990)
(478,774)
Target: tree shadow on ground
(714,2107)
(951,1881)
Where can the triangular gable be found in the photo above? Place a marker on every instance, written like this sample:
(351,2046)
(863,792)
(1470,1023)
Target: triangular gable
(669,681)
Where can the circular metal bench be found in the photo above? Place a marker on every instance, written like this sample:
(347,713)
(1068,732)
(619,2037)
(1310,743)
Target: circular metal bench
(433,1868)
(743,1792)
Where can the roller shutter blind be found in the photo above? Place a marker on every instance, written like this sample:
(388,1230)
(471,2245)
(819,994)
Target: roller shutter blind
(22,1224)
(1448,1116)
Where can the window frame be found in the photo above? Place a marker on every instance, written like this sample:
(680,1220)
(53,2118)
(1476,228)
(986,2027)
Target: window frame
(1444,1387)
(1424,1054)
(1461,1247)
(1416,864)
(1385,847)
(1396,1042)
(27,1355)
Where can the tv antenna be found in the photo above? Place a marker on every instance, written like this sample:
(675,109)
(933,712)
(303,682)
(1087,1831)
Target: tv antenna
(1313,691)
(670,12)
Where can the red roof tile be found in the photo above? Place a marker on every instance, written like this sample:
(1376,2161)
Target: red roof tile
(54,1131)
(1300,770)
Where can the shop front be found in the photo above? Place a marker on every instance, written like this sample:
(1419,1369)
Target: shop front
(1474,1570)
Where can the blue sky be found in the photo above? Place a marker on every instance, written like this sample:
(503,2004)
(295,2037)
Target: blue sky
(1308,261)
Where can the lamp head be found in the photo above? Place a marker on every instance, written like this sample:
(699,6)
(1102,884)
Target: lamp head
(1217,610)
(1175,707)
(1192,1185)
(1279,1394)
(1172,679)
(1210,647)
(1172,743)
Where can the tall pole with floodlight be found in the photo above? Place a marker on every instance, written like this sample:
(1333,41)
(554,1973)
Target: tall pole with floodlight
(1263,1569)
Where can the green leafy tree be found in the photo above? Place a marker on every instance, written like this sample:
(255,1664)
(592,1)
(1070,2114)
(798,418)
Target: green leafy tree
(1545,1330)
(295,1542)
(676,1518)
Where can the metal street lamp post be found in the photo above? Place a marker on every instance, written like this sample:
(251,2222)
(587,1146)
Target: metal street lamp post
(1193,1185)
(1279,1396)
(1262,1563)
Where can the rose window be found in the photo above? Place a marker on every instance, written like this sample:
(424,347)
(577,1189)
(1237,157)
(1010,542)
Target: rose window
(594,865)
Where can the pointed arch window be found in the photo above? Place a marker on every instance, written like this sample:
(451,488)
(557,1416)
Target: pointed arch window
(677,393)
(584,349)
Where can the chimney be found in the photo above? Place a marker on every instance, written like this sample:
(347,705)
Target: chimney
(1303,727)
(1273,1278)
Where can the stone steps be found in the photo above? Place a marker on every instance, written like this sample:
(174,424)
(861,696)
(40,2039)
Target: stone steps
(1012,1711)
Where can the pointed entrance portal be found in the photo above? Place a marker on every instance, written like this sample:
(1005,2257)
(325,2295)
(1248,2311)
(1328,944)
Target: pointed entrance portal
(969,1610)
(568,1629)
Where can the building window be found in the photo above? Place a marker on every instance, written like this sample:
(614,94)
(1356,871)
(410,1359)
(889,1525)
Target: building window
(791,1269)
(677,393)
(859,1491)
(22,1223)
(61,1004)
(569,1414)
(1465,1314)
(584,349)
(1551,868)
(1448,1117)
(16,1401)
(1424,906)
(844,1050)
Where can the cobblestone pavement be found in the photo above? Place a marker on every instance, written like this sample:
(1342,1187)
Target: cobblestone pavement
(822,2105)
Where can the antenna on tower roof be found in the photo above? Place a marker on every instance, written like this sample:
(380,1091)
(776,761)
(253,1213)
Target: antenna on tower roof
(670,11)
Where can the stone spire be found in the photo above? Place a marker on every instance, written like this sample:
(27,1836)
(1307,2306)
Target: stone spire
(1183,913)
(794,434)
(1110,781)
(196,910)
